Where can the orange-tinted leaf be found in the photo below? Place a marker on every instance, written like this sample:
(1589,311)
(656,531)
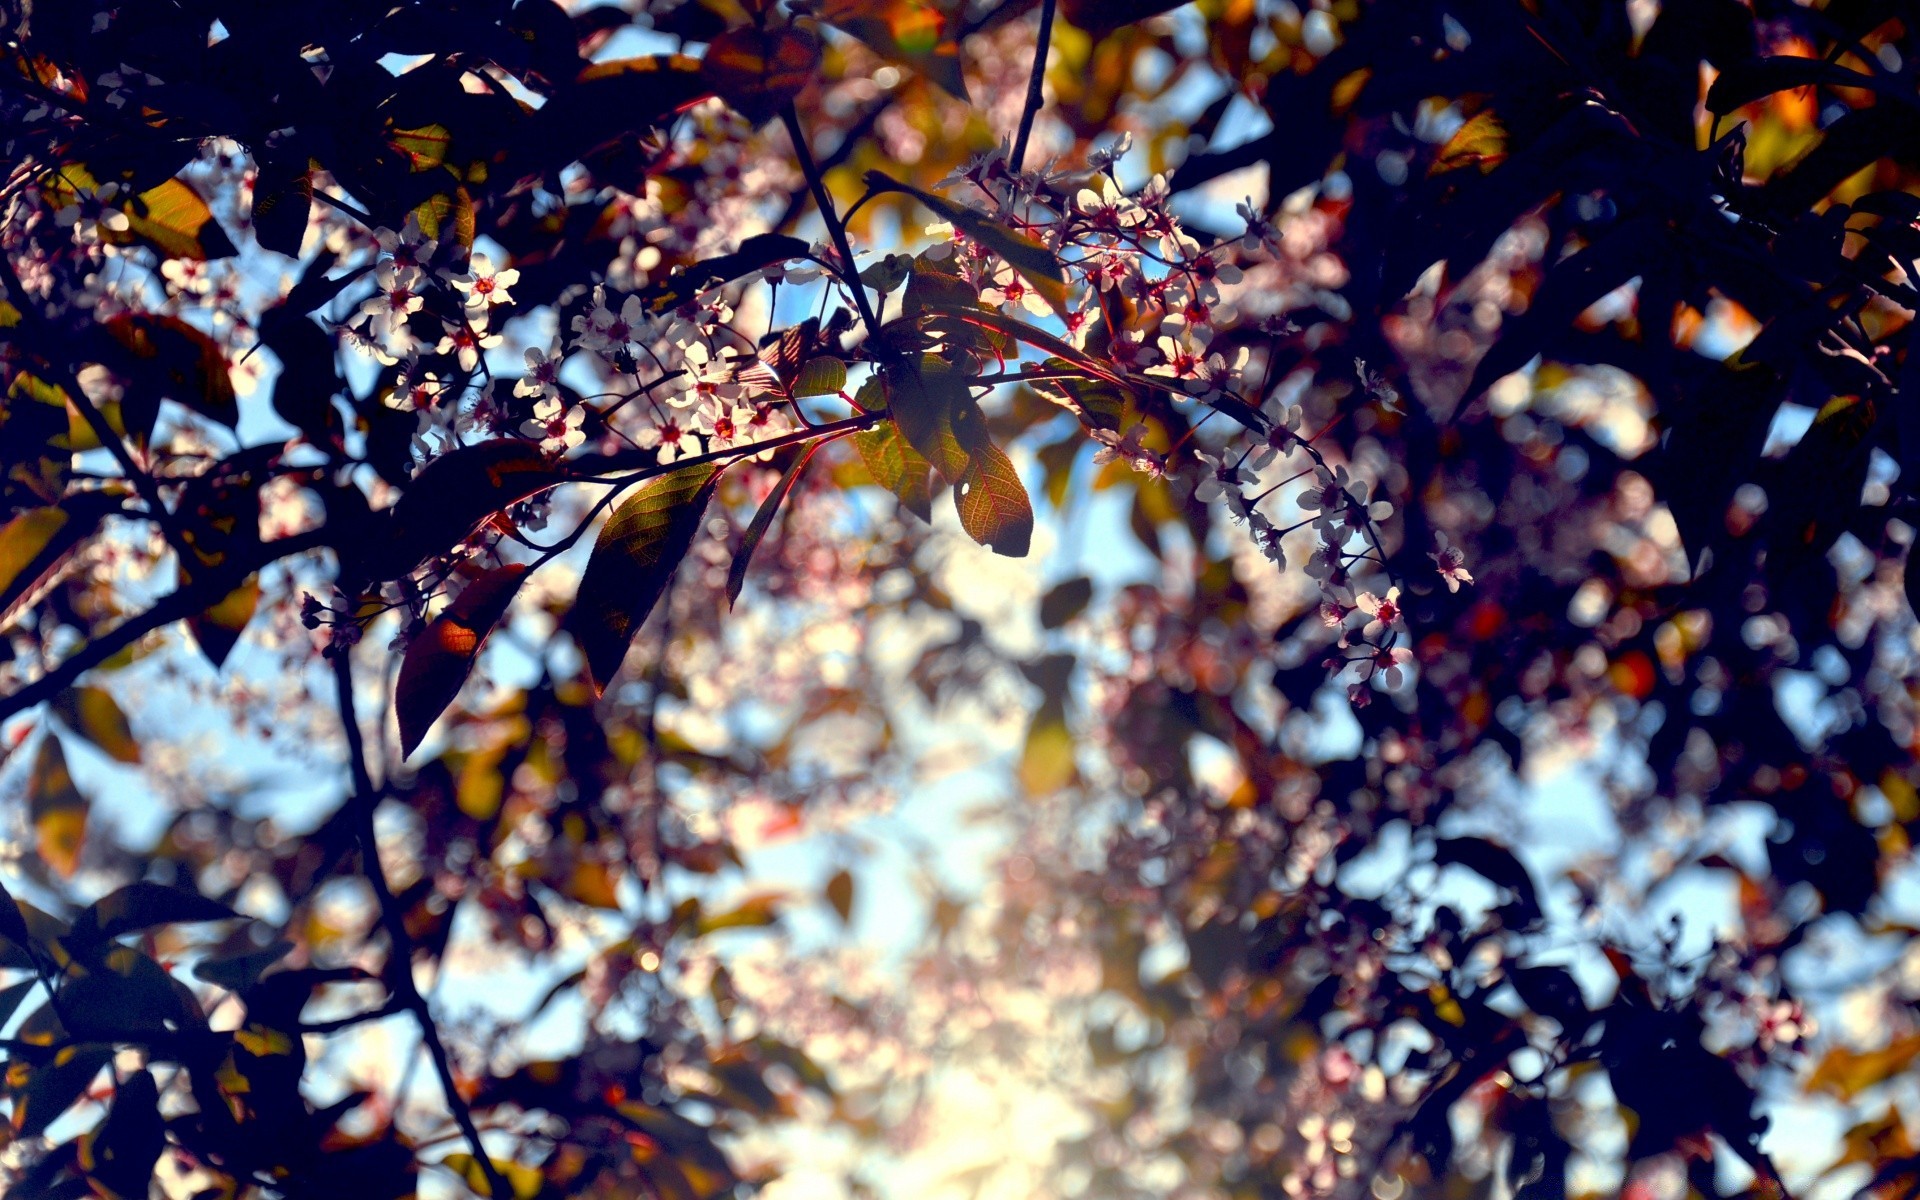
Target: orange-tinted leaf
(179,361)
(219,628)
(913,33)
(839,893)
(1481,142)
(1846,1072)
(439,660)
(993,504)
(633,561)
(752,913)
(453,494)
(758,72)
(594,884)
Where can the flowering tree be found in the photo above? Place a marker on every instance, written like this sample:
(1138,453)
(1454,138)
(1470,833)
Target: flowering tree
(457,454)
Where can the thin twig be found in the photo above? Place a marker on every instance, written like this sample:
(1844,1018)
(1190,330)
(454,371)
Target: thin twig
(851,276)
(400,946)
(1036,85)
(620,460)
(143,483)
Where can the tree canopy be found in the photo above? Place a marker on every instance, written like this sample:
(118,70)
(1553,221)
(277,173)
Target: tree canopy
(1323,587)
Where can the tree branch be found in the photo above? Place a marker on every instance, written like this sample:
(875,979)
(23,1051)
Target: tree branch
(366,798)
(825,201)
(206,591)
(1036,86)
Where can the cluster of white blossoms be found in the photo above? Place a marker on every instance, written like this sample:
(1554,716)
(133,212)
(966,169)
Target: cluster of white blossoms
(1128,254)
(688,382)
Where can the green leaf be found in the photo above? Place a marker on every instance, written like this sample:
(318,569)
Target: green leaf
(888,274)
(240,972)
(178,223)
(757,253)
(1098,403)
(439,660)
(452,495)
(608,101)
(898,467)
(1039,266)
(1047,759)
(57,809)
(633,561)
(823,376)
(763,521)
(124,1150)
(526,1181)
(993,504)
(282,203)
(934,410)
(13,929)
(54,1085)
(1573,284)
(142,905)
(126,996)
(448,216)
(1065,601)
(93,713)
(14,996)
(1492,862)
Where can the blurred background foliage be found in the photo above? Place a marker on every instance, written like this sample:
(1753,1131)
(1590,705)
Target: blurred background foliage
(925,871)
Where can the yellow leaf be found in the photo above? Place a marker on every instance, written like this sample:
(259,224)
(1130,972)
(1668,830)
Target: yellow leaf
(58,810)
(594,884)
(93,713)
(1481,142)
(425,147)
(1047,764)
(1846,1072)
(171,217)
